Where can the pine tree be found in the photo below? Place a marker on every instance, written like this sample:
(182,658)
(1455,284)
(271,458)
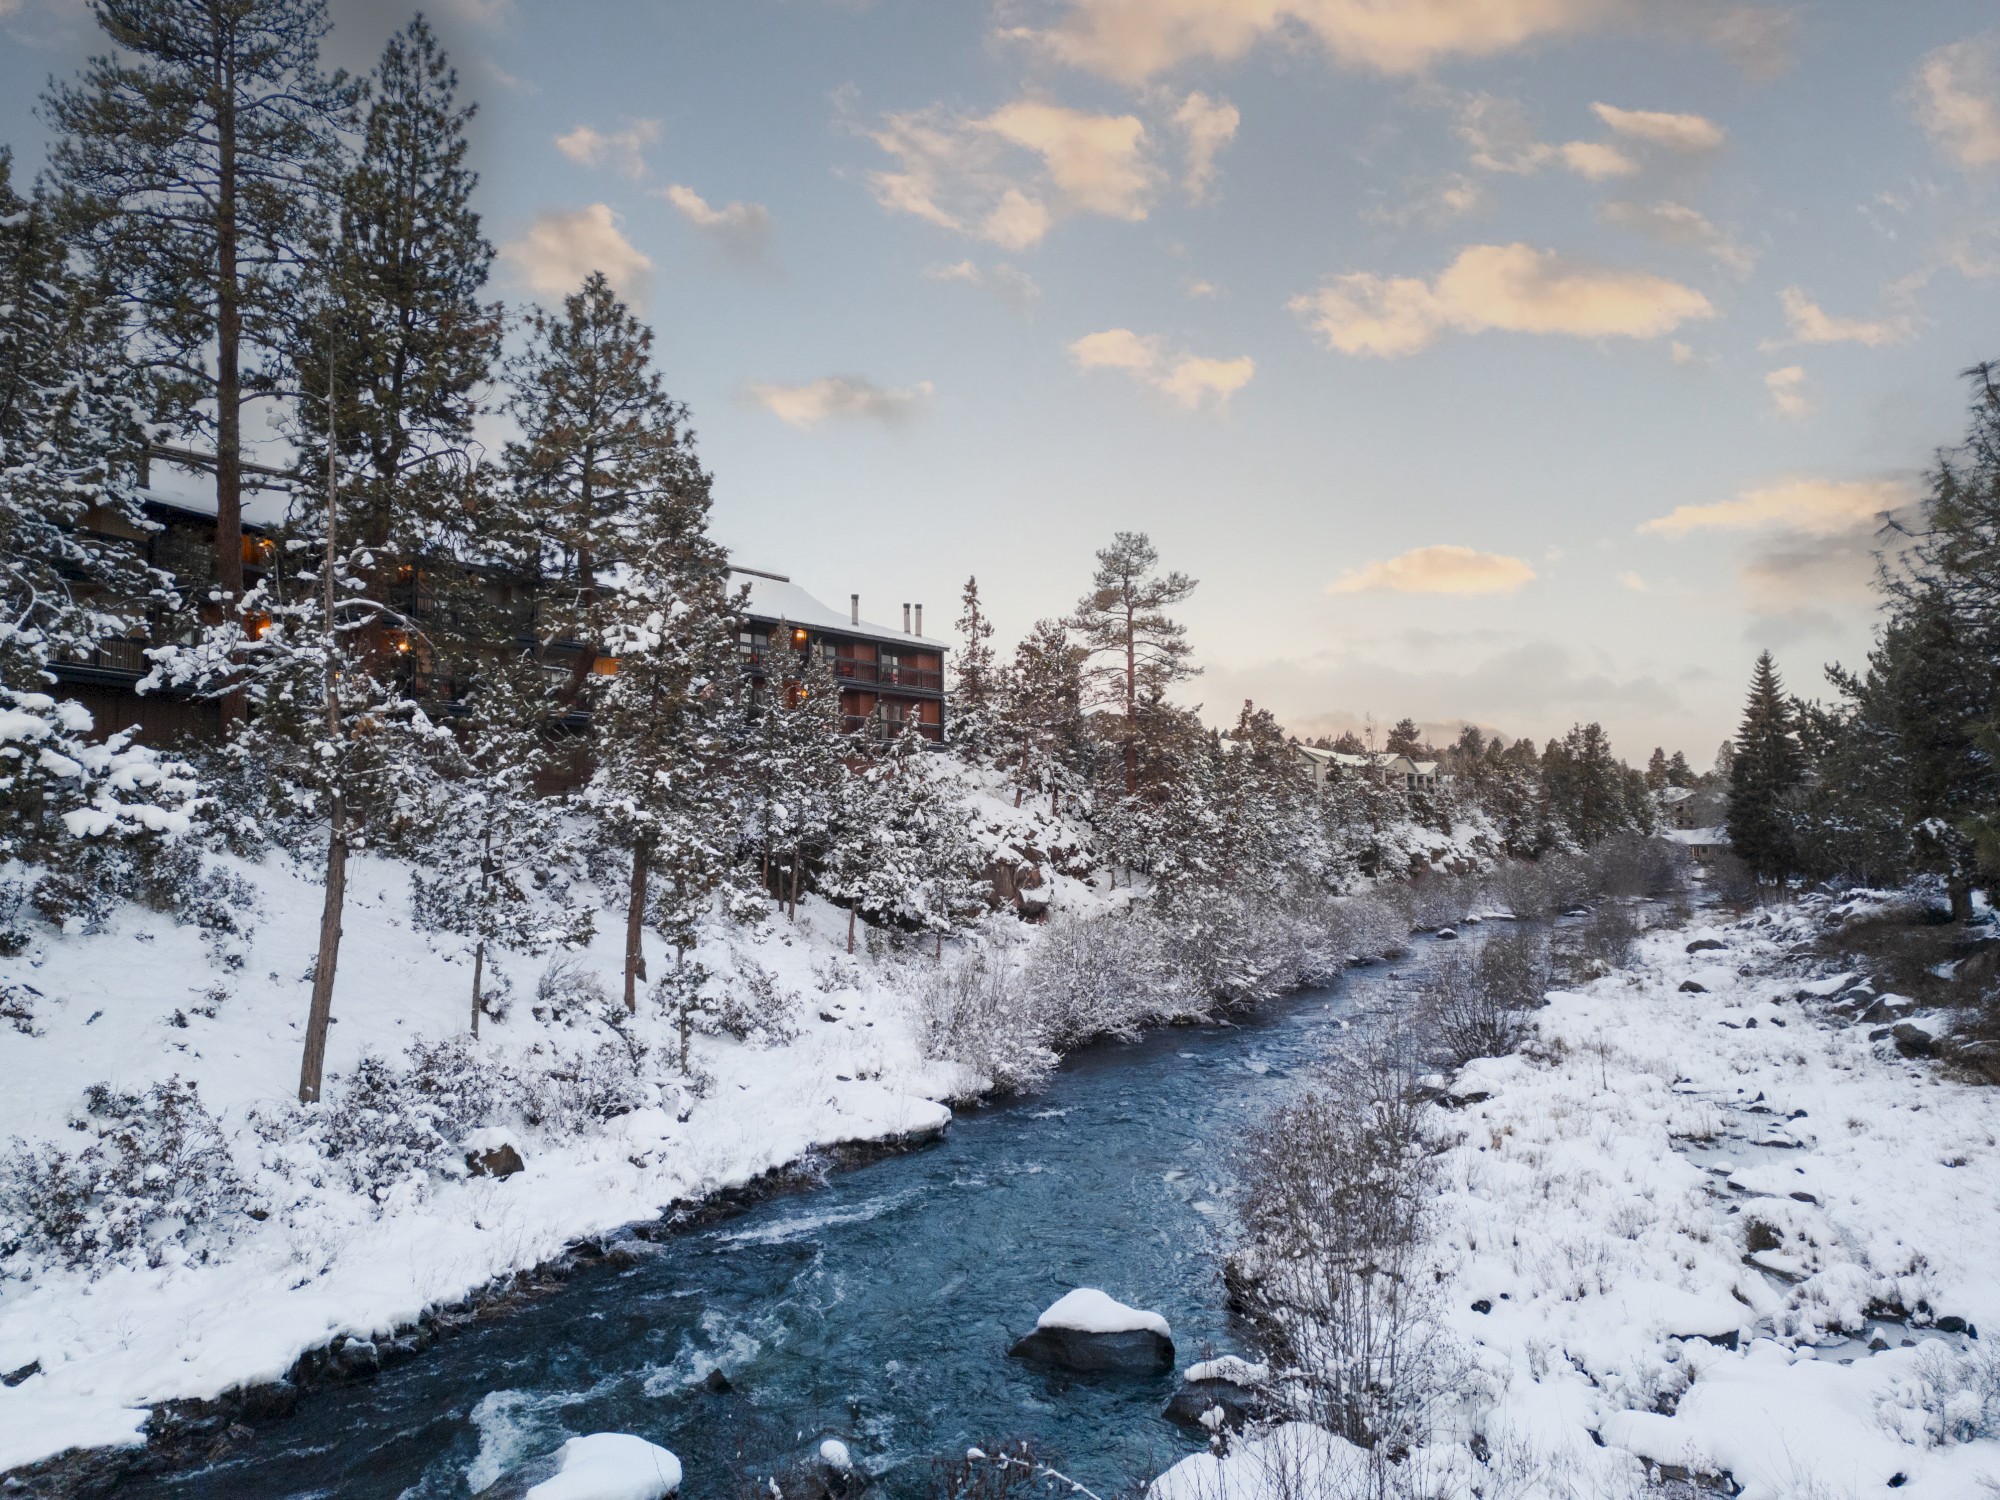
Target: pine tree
(976,691)
(196,159)
(1656,769)
(413,345)
(1765,769)
(1042,720)
(67,582)
(1132,647)
(1405,739)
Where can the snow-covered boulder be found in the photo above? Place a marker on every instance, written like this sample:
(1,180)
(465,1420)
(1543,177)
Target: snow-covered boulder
(610,1466)
(1088,1330)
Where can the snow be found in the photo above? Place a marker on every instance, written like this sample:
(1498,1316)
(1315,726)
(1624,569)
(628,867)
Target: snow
(1087,1310)
(1290,1460)
(780,599)
(833,1453)
(611,1466)
(1230,1367)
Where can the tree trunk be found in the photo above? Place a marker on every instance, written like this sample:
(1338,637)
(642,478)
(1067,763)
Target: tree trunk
(635,929)
(478,964)
(850,925)
(1959,888)
(795,886)
(687,1012)
(320,1017)
(1131,706)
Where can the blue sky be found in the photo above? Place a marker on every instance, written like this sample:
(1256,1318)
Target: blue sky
(1522,360)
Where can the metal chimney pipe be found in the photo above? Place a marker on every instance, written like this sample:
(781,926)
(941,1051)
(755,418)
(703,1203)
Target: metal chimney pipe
(906,619)
(854,609)
(920,619)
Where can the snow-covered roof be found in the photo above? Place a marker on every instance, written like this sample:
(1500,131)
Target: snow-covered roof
(1698,837)
(773,598)
(1380,760)
(1673,794)
(194,494)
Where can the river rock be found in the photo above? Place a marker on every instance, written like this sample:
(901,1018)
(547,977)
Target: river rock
(1706,945)
(1088,1330)
(1213,1404)
(602,1466)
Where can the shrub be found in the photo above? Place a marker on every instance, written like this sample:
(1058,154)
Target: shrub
(972,1010)
(1478,1007)
(1092,978)
(388,1127)
(155,1183)
(569,990)
(569,1093)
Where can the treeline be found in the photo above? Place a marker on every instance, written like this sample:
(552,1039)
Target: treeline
(1898,775)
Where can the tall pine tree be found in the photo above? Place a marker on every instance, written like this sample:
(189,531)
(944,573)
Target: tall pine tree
(1766,768)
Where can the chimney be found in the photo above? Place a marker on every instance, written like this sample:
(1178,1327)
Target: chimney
(854,609)
(920,619)
(906,619)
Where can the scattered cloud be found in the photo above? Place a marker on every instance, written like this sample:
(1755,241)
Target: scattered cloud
(741,230)
(623,150)
(1501,139)
(1677,224)
(1511,288)
(1676,132)
(1007,176)
(1188,379)
(840,396)
(1197,290)
(1130,41)
(1787,388)
(1435,203)
(1438,570)
(1809,507)
(1760,39)
(1681,354)
(1011,285)
(1207,125)
(1957,97)
(1634,582)
(563,246)
(1811,324)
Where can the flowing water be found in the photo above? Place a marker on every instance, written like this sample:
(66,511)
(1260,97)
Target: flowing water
(877,1309)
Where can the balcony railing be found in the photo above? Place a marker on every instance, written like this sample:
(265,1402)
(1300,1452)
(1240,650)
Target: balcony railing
(865,673)
(877,727)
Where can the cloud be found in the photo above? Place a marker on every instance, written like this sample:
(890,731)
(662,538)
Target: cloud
(1012,286)
(1957,96)
(741,229)
(1130,41)
(1438,570)
(623,149)
(1658,128)
(1197,290)
(1787,388)
(1188,379)
(806,406)
(561,248)
(1809,507)
(1434,203)
(1501,140)
(1512,288)
(967,173)
(1634,582)
(1677,224)
(1811,324)
(1207,125)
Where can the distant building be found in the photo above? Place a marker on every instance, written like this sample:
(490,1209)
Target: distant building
(1703,843)
(1399,771)
(1677,806)
(891,680)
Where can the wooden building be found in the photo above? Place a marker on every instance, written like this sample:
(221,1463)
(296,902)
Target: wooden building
(891,681)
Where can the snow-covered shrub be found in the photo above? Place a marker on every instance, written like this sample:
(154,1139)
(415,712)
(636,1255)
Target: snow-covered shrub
(390,1127)
(569,990)
(570,1093)
(1435,901)
(1336,1196)
(760,1010)
(1601,944)
(155,1184)
(1631,864)
(17,1006)
(1947,1396)
(973,1010)
(1478,1006)
(1094,977)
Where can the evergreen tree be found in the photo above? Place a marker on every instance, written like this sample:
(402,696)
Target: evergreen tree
(196,159)
(1584,786)
(1405,739)
(1766,768)
(976,689)
(1043,718)
(1656,769)
(68,582)
(1132,648)
(1679,772)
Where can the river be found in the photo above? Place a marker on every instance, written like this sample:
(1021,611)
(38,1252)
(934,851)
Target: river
(877,1308)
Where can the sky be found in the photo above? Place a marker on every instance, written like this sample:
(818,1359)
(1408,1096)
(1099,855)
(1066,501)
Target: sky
(1519,362)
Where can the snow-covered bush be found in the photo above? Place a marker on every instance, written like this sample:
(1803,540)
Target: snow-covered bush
(761,1010)
(388,1127)
(973,1010)
(1478,1006)
(1947,1396)
(1095,977)
(155,1184)
(569,1093)
(568,990)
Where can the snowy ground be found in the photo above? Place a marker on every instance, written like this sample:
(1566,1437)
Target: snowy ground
(1693,1234)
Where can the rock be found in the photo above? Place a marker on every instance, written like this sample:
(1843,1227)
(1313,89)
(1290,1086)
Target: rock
(1213,1404)
(1706,945)
(716,1383)
(1087,1330)
(1690,987)
(1446,935)
(351,1359)
(18,1377)
(1950,1323)
(602,1466)
(1912,1040)
(1483,1305)
(502,1161)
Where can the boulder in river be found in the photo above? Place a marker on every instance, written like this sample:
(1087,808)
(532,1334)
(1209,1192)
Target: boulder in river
(602,1466)
(1088,1330)
(1219,1393)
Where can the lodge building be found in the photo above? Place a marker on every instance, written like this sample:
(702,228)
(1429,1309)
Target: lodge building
(891,680)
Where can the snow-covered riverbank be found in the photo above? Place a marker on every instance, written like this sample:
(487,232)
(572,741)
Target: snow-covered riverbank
(1704,1226)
